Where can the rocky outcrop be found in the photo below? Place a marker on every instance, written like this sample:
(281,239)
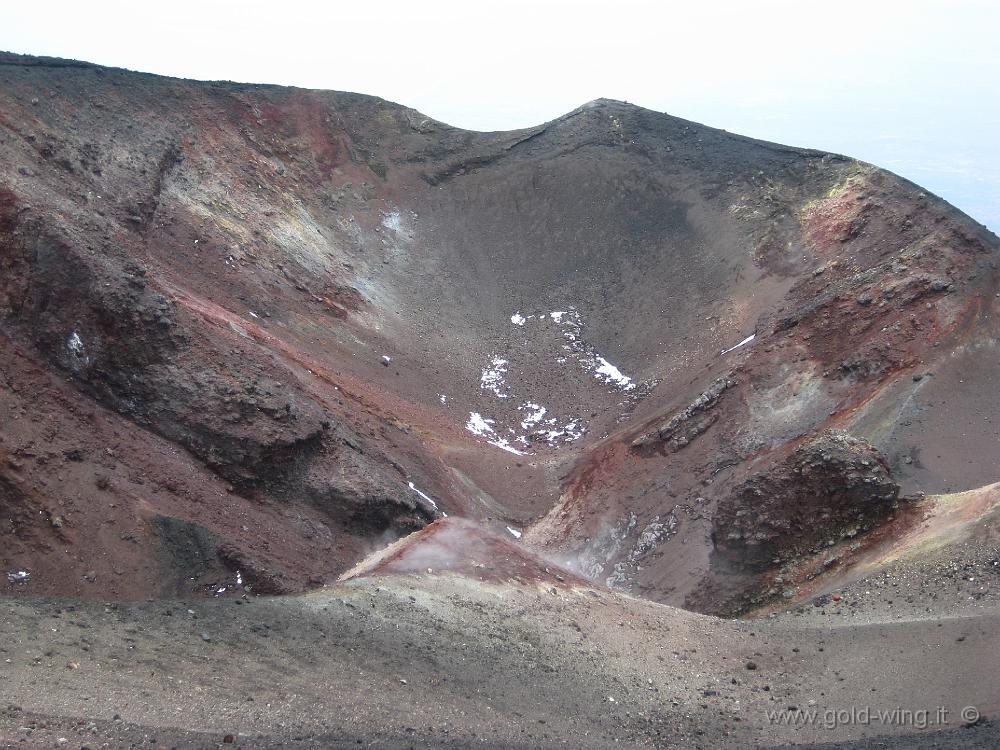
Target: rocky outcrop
(833,486)
(81,294)
(678,431)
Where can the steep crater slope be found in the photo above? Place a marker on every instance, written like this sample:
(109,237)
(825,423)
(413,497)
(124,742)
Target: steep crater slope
(253,333)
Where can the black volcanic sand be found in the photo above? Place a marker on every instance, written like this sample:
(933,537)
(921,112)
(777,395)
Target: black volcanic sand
(424,661)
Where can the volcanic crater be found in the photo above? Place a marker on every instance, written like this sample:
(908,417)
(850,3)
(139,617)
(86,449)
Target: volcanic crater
(251,336)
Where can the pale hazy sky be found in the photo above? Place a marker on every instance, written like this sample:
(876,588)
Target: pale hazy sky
(912,86)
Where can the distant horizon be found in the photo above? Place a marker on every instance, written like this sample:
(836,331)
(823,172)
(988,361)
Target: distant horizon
(914,91)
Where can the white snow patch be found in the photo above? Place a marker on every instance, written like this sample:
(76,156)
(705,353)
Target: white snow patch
(611,374)
(393,221)
(424,495)
(744,342)
(504,444)
(77,352)
(567,433)
(492,378)
(478,425)
(533,424)
(537,411)
(75,344)
(514,532)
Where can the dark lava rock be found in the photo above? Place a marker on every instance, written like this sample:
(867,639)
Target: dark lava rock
(830,487)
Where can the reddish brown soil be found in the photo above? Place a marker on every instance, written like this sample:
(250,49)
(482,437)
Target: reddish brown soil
(459,546)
